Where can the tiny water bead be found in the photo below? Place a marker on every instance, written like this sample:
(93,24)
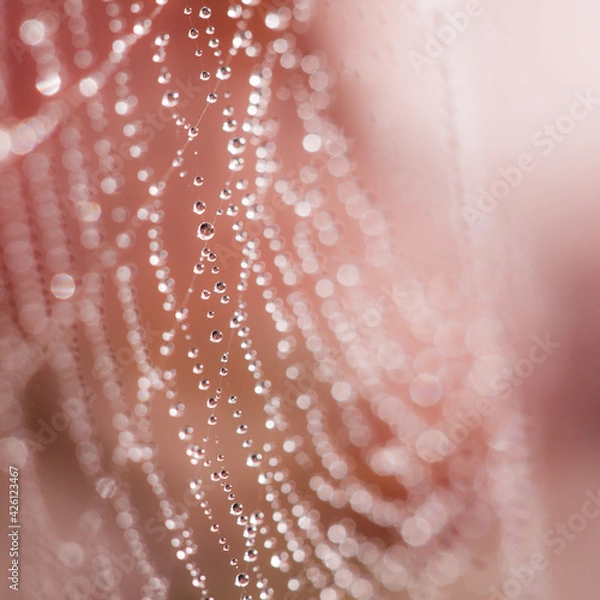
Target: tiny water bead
(177,409)
(186,432)
(254,460)
(170,99)
(242,579)
(206,231)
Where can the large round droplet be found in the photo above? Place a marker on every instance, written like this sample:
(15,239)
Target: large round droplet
(216,336)
(199,207)
(242,579)
(236,509)
(206,231)
(62,286)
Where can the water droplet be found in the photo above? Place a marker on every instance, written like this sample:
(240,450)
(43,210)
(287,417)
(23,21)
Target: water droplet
(177,409)
(216,336)
(198,180)
(224,73)
(106,487)
(254,460)
(204,12)
(62,286)
(234,11)
(257,517)
(230,125)
(206,231)
(185,433)
(199,207)
(251,555)
(236,146)
(242,579)
(162,39)
(170,99)
(193,33)
(236,509)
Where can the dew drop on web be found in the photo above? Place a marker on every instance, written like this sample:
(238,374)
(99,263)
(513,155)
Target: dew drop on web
(170,99)
(106,487)
(206,231)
